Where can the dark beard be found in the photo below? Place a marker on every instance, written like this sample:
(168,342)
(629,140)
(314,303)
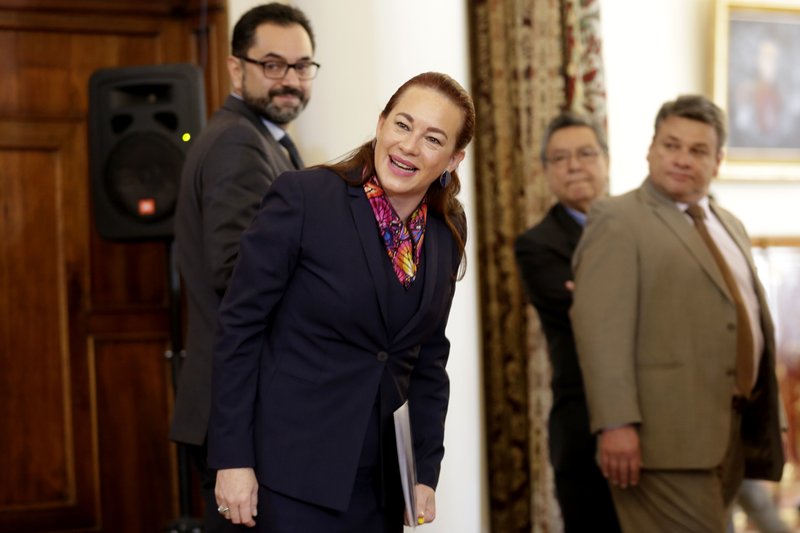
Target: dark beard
(272,112)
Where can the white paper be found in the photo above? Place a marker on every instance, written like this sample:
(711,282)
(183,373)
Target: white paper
(405,458)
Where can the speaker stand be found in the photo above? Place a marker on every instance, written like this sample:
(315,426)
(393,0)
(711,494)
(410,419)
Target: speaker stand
(185,523)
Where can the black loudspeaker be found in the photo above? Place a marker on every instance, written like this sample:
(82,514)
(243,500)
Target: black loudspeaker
(141,123)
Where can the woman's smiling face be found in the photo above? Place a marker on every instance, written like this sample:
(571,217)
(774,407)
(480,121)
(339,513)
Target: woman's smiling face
(415,143)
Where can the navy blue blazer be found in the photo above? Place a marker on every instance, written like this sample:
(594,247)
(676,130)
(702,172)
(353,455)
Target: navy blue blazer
(302,342)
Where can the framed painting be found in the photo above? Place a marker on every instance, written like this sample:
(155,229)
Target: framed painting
(757,81)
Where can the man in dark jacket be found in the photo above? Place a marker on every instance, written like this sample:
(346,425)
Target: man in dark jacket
(238,155)
(575,161)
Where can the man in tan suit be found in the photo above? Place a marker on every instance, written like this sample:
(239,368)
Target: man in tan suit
(656,323)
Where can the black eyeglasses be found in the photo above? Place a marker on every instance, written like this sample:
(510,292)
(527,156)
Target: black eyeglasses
(276,69)
(584,156)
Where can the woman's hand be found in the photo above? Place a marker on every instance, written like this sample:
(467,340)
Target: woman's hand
(426,504)
(237,495)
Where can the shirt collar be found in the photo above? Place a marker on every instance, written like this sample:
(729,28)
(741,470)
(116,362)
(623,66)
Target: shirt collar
(702,202)
(579,217)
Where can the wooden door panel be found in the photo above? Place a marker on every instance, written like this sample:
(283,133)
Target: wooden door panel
(133,401)
(85,392)
(34,384)
(45,396)
(52,70)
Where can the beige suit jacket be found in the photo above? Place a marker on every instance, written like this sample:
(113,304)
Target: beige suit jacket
(655,329)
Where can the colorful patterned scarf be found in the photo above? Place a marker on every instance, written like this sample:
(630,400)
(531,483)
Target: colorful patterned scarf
(403,246)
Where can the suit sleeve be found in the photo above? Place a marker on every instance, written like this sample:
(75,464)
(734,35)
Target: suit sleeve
(604,318)
(268,255)
(544,274)
(236,174)
(429,395)
(428,399)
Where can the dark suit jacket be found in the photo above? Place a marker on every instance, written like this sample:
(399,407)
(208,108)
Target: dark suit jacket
(544,255)
(655,327)
(303,342)
(226,174)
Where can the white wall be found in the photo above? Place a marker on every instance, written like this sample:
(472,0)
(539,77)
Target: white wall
(654,51)
(367,49)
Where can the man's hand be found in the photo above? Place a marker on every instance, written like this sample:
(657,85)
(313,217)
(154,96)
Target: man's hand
(620,455)
(237,490)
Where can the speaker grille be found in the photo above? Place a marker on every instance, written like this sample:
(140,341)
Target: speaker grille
(142,176)
(137,116)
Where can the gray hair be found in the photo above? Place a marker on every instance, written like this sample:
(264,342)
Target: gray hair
(568,119)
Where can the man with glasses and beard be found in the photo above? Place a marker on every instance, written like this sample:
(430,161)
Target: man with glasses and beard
(228,170)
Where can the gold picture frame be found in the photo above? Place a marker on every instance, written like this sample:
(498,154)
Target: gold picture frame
(756,80)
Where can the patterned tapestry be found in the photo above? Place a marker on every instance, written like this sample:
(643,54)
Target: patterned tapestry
(586,91)
(531,58)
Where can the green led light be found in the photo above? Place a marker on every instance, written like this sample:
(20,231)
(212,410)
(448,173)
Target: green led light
(186,137)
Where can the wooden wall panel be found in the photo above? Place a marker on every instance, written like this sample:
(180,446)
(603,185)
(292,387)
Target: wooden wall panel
(85,391)
(32,385)
(47,413)
(133,400)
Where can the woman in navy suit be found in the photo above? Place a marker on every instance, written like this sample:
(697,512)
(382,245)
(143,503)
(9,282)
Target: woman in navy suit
(335,315)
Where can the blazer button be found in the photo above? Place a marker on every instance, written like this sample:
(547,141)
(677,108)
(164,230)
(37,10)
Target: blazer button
(731,326)
(383,356)
(730,372)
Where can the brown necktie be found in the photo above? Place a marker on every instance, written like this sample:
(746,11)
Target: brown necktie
(744,335)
